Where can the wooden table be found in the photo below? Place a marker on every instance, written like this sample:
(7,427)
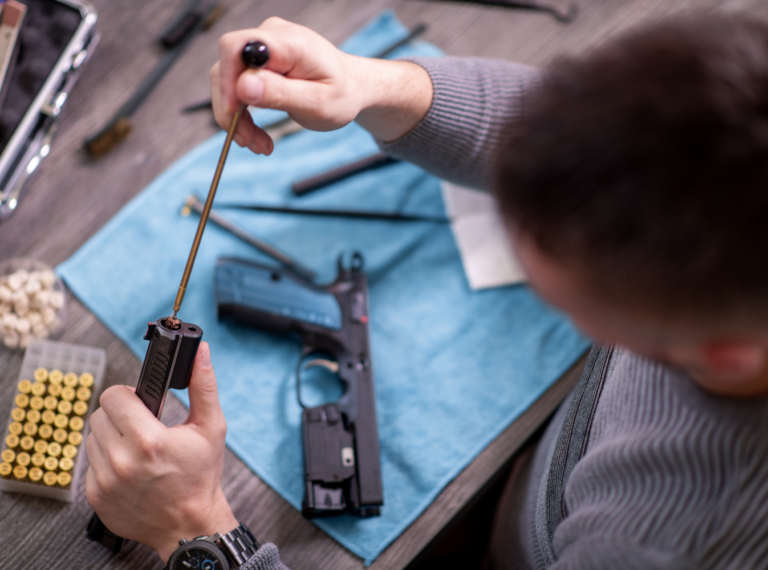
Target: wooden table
(71,197)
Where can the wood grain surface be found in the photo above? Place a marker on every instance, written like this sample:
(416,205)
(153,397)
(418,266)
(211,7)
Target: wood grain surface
(72,196)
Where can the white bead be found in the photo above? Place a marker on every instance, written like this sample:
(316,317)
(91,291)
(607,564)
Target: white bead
(48,314)
(15,282)
(21,309)
(41,299)
(9,319)
(34,318)
(56,299)
(11,341)
(32,286)
(47,278)
(23,326)
(5,294)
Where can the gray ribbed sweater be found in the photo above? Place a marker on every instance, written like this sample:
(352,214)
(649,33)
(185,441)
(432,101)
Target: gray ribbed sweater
(639,469)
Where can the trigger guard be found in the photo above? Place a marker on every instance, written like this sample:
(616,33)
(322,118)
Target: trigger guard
(329,365)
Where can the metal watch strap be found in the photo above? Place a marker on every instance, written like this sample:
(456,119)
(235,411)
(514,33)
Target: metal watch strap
(239,545)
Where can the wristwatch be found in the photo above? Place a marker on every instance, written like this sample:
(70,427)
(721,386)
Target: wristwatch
(215,552)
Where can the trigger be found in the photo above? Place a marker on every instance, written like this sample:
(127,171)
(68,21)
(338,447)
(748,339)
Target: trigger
(329,364)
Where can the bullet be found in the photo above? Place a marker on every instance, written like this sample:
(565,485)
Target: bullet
(55,376)
(25,386)
(30,428)
(35,474)
(61,421)
(27,443)
(76,423)
(23,458)
(64,479)
(48,416)
(18,415)
(54,450)
(33,416)
(38,389)
(5,470)
(20,472)
(80,408)
(50,479)
(15,428)
(68,394)
(55,390)
(83,394)
(86,379)
(70,380)
(22,400)
(45,432)
(60,436)
(51,463)
(64,407)
(9,456)
(41,375)
(36,403)
(12,441)
(41,446)
(69,451)
(66,464)
(38,459)
(75,438)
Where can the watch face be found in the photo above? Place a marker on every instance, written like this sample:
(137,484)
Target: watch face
(199,558)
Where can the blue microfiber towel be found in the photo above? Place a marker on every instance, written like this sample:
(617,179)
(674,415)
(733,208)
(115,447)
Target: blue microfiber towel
(452,367)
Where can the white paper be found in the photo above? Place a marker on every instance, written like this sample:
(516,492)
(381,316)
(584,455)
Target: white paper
(484,246)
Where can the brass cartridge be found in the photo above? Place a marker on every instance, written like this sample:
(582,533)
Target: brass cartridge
(76,423)
(60,436)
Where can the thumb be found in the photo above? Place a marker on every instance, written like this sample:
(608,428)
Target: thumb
(204,408)
(308,102)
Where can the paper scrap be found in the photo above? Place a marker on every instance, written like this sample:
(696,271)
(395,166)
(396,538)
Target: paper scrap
(484,246)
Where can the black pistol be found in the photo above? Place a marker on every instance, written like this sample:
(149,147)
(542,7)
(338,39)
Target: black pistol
(168,364)
(342,470)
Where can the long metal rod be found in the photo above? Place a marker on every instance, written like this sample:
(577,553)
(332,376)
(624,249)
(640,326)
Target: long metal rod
(206,211)
(194,204)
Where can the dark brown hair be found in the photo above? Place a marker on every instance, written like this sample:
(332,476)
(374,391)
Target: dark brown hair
(646,162)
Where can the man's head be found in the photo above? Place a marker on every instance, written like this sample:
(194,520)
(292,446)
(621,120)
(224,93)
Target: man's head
(637,188)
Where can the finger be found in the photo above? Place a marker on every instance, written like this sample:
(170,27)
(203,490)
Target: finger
(287,46)
(299,97)
(217,99)
(262,143)
(92,490)
(95,453)
(103,430)
(204,407)
(127,412)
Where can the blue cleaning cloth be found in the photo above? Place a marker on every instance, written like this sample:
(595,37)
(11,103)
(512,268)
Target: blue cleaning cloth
(452,367)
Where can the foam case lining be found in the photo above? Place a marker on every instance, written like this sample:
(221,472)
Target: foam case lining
(55,39)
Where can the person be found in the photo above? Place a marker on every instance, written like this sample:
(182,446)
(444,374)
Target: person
(634,184)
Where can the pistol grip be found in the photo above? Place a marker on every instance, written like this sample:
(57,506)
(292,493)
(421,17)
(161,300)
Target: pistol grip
(167,364)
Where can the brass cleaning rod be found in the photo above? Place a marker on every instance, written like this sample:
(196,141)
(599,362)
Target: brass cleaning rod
(206,211)
(255,55)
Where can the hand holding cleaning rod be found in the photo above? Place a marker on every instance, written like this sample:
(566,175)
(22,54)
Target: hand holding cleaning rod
(255,55)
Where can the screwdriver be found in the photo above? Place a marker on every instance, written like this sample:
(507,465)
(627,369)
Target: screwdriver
(255,55)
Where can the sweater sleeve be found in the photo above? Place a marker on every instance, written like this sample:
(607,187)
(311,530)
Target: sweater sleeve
(266,558)
(473,100)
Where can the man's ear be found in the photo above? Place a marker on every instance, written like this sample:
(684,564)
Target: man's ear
(735,360)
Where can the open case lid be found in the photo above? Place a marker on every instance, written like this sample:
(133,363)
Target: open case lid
(56,38)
